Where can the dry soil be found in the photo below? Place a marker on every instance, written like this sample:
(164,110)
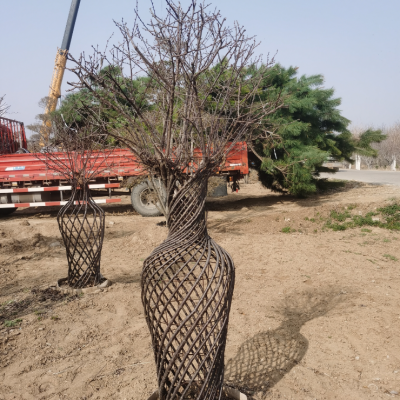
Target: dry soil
(315,313)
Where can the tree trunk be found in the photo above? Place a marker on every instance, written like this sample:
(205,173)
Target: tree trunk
(358,162)
(393,165)
(187,288)
(82,229)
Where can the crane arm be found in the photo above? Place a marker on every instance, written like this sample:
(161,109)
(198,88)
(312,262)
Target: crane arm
(59,67)
(56,80)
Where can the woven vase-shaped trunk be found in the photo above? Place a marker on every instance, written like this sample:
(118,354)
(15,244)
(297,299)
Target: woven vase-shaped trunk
(81,223)
(187,288)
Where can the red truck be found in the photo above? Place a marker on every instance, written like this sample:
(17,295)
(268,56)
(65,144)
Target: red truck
(25,181)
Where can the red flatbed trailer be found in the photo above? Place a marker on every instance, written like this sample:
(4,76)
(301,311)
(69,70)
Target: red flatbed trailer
(25,180)
(12,136)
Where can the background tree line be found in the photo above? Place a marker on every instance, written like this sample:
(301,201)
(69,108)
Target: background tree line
(386,152)
(293,142)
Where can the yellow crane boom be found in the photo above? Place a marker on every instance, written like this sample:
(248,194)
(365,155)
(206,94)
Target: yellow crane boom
(56,80)
(59,68)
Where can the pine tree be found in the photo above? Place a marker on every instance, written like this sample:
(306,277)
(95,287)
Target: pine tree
(302,135)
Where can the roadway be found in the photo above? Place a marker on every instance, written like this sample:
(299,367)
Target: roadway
(368,176)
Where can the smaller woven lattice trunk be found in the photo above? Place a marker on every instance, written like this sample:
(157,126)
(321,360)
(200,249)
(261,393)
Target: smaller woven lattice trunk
(187,288)
(81,223)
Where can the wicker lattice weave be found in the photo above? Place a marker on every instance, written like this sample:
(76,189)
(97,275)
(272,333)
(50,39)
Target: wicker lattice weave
(81,223)
(187,287)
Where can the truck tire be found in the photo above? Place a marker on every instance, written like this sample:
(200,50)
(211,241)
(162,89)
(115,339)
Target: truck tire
(4,212)
(142,200)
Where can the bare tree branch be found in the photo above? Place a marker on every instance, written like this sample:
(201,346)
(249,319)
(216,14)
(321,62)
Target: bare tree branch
(196,97)
(3,106)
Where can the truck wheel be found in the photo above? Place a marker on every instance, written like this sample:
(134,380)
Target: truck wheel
(4,212)
(143,198)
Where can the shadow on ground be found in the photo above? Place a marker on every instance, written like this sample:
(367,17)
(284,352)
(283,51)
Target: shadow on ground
(263,360)
(52,212)
(126,278)
(39,301)
(238,201)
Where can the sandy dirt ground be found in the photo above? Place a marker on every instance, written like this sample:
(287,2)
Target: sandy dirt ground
(315,313)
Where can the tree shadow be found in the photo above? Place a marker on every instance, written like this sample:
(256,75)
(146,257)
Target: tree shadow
(263,360)
(40,301)
(113,209)
(235,202)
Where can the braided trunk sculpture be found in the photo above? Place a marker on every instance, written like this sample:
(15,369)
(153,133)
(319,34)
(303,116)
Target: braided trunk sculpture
(187,89)
(187,288)
(81,223)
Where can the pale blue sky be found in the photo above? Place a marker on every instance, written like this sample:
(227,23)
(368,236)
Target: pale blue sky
(355,44)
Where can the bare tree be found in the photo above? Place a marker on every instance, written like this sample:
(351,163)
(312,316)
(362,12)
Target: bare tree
(389,149)
(78,156)
(42,128)
(369,160)
(33,143)
(3,106)
(199,93)
(186,90)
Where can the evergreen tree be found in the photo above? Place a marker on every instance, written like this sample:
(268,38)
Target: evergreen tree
(302,135)
(363,141)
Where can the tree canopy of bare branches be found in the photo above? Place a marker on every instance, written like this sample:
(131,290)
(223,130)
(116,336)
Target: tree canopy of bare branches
(194,94)
(389,149)
(78,155)
(42,128)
